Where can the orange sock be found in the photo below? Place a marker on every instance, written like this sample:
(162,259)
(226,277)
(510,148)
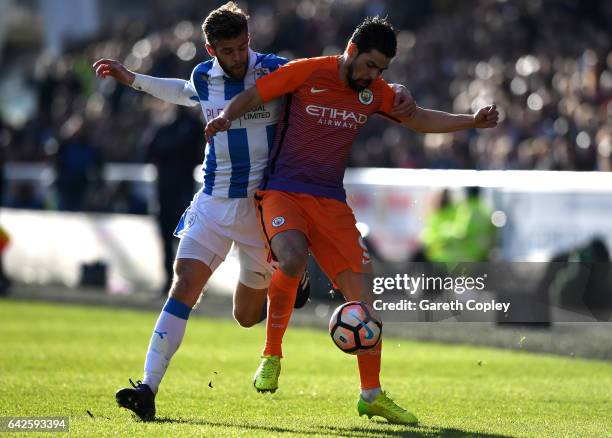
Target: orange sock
(369,367)
(281,298)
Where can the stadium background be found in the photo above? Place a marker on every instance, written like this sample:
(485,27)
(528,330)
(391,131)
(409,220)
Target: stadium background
(82,159)
(70,142)
(547,64)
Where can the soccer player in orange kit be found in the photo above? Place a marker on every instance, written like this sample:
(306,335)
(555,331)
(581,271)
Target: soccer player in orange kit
(302,202)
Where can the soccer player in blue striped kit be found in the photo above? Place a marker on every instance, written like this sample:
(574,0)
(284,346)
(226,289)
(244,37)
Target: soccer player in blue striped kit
(222,212)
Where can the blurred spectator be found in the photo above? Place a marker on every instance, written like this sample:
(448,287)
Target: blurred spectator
(580,279)
(24,195)
(459,231)
(77,163)
(176,148)
(439,233)
(122,197)
(547,64)
(474,230)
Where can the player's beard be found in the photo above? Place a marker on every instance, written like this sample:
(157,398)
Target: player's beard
(231,71)
(354,84)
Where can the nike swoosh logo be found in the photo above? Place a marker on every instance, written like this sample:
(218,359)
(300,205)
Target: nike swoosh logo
(369,332)
(314,90)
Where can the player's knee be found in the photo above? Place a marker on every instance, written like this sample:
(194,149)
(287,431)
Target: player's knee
(185,286)
(185,294)
(291,250)
(294,263)
(246,319)
(293,258)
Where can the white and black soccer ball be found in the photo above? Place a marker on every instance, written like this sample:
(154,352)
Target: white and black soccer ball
(354,328)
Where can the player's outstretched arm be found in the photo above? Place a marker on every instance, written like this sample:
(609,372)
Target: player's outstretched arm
(239,105)
(110,67)
(175,91)
(430,121)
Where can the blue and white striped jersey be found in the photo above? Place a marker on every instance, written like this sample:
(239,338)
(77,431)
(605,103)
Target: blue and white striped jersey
(236,159)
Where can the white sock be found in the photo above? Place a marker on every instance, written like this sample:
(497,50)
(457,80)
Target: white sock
(166,338)
(370,394)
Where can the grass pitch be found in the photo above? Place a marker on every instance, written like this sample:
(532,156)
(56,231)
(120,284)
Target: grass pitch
(61,360)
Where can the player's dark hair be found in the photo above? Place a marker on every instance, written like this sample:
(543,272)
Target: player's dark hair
(376,33)
(225,22)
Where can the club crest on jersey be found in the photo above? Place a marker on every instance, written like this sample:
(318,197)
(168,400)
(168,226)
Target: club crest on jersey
(278,221)
(366,96)
(260,72)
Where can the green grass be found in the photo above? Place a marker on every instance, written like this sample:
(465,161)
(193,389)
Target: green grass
(64,360)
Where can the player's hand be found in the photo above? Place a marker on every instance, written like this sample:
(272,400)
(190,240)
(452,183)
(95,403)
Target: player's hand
(486,117)
(218,124)
(112,68)
(404,105)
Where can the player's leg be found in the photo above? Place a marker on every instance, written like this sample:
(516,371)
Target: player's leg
(372,401)
(353,282)
(341,253)
(291,250)
(256,268)
(354,287)
(195,262)
(252,288)
(190,277)
(249,305)
(284,227)
(255,265)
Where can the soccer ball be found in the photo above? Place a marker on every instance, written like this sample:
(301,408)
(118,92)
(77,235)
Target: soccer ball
(354,329)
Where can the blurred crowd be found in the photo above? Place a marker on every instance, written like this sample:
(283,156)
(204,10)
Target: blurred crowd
(546,64)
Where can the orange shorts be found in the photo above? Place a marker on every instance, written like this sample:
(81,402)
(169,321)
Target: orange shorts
(328,224)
